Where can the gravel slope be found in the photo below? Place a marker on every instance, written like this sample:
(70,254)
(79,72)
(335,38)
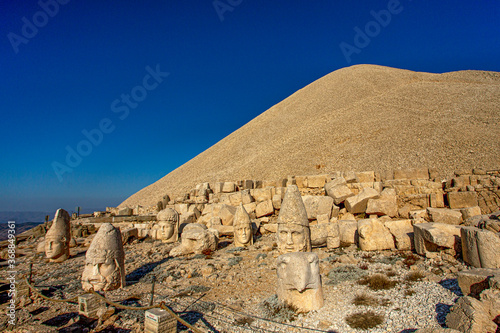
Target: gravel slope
(359,118)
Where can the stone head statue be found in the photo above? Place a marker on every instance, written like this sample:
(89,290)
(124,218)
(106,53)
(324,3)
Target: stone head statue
(58,237)
(243,233)
(293,226)
(196,238)
(299,281)
(105,261)
(168,222)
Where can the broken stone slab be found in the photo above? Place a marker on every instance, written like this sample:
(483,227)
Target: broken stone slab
(436,200)
(264,208)
(228,187)
(402,231)
(317,205)
(433,237)
(470,212)
(421,173)
(262,194)
(317,181)
(480,248)
(357,204)
(469,315)
(338,190)
(374,236)
(385,205)
(348,232)
(444,215)
(473,282)
(277,201)
(462,199)
(365,176)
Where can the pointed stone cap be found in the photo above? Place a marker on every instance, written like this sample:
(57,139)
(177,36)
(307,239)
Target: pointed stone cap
(107,244)
(292,209)
(60,226)
(241,216)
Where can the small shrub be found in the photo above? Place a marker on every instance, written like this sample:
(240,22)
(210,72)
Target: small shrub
(364,320)
(377,282)
(272,308)
(363,266)
(365,299)
(415,276)
(410,260)
(391,273)
(409,292)
(344,273)
(244,320)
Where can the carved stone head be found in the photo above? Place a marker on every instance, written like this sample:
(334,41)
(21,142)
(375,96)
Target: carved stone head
(293,234)
(299,281)
(168,222)
(243,233)
(105,261)
(196,238)
(58,237)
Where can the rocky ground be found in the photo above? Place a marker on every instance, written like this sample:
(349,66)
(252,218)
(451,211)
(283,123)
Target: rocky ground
(233,290)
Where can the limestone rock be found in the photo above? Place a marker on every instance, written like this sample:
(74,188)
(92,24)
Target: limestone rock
(338,190)
(480,248)
(264,208)
(402,231)
(129,234)
(293,234)
(436,330)
(299,281)
(105,261)
(433,237)
(470,212)
(262,194)
(357,204)
(385,205)
(348,232)
(462,199)
(316,181)
(374,236)
(196,238)
(319,235)
(445,215)
(58,237)
(317,205)
(469,315)
(365,177)
(436,200)
(228,187)
(412,174)
(473,282)
(333,236)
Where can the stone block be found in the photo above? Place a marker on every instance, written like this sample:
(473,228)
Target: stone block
(462,199)
(228,187)
(125,211)
(317,181)
(357,204)
(469,315)
(385,205)
(348,232)
(473,282)
(301,181)
(246,197)
(317,205)
(374,236)
(277,201)
(262,194)
(226,214)
(480,247)
(433,237)
(264,208)
(402,231)
(444,215)
(436,200)
(338,191)
(421,173)
(159,321)
(365,177)
(470,212)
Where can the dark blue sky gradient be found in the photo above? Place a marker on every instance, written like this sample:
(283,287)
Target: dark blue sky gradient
(222,75)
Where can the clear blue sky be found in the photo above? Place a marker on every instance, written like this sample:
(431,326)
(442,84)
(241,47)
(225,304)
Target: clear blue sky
(228,61)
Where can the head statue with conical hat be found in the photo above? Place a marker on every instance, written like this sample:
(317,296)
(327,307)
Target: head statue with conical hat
(168,222)
(293,233)
(243,233)
(58,237)
(105,261)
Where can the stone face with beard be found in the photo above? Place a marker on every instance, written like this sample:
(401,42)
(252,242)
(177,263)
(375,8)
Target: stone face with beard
(293,234)
(243,233)
(58,237)
(105,261)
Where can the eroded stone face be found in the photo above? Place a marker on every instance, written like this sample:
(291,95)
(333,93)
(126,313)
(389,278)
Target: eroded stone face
(196,238)
(168,223)
(58,237)
(243,233)
(299,281)
(105,261)
(293,234)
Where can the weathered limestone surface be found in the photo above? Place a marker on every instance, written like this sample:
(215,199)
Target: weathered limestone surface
(316,205)
(480,247)
(196,238)
(402,231)
(58,237)
(333,236)
(469,315)
(357,204)
(473,282)
(264,208)
(374,236)
(338,190)
(316,181)
(293,234)
(168,225)
(431,237)
(348,232)
(365,177)
(445,215)
(411,174)
(385,205)
(104,261)
(299,281)
(462,199)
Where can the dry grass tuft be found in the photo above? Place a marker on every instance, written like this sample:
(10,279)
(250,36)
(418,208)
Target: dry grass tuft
(377,282)
(364,320)
(415,276)
(365,299)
